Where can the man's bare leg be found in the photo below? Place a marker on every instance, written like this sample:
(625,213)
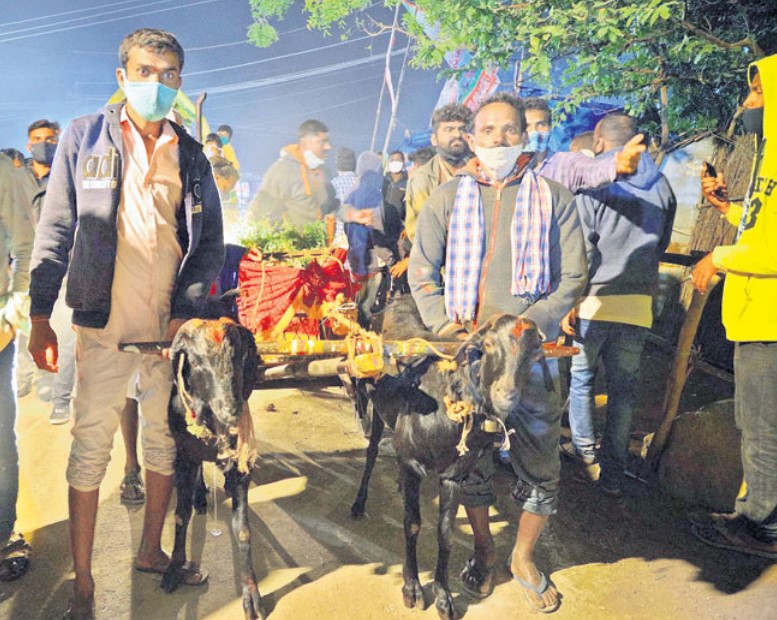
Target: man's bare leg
(83,515)
(485,556)
(530,527)
(158,491)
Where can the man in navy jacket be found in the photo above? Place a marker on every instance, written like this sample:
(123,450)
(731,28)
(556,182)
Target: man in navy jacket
(132,214)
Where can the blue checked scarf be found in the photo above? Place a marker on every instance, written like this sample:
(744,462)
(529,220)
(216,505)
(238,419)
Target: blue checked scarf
(465,248)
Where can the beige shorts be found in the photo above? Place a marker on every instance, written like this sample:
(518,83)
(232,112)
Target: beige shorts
(105,377)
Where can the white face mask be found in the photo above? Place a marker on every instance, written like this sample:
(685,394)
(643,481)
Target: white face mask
(396,167)
(498,160)
(311,160)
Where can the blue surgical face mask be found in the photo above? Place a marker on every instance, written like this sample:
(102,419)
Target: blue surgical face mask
(538,142)
(151,100)
(224,140)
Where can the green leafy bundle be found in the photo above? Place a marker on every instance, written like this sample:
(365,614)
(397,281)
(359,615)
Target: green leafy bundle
(281,240)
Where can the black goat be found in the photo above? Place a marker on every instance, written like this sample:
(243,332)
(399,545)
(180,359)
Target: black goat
(491,367)
(214,363)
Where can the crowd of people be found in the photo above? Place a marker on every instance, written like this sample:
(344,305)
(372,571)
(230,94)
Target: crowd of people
(487,221)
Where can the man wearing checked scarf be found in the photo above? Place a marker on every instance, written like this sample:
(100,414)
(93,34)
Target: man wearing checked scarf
(500,239)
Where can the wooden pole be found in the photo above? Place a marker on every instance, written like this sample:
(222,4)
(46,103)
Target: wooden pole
(681,367)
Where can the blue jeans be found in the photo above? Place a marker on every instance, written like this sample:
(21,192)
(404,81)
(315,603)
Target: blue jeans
(755,367)
(620,348)
(9,457)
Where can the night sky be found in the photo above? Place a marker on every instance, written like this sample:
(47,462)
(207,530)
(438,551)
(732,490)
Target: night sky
(59,59)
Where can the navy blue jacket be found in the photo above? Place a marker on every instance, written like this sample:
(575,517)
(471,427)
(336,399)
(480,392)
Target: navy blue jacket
(80,213)
(627,227)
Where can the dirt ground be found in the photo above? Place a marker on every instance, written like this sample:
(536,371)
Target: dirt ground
(631,558)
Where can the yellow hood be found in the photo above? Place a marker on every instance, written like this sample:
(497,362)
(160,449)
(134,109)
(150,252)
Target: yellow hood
(750,293)
(767,68)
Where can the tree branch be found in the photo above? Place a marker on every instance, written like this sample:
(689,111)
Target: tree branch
(708,36)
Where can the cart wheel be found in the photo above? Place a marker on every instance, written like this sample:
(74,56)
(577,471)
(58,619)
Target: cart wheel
(363,411)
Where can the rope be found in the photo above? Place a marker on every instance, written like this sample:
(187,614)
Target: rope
(198,430)
(460,412)
(425,343)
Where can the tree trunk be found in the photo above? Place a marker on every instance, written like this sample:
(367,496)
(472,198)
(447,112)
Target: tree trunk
(735,163)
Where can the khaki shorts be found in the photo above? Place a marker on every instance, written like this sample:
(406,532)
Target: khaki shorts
(105,377)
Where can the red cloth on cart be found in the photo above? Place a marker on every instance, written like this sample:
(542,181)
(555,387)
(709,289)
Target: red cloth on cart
(268,290)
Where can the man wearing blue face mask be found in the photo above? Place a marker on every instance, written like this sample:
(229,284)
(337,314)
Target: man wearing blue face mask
(227,150)
(574,171)
(297,188)
(32,178)
(141,194)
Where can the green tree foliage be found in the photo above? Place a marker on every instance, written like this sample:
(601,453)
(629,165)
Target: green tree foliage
(680,65)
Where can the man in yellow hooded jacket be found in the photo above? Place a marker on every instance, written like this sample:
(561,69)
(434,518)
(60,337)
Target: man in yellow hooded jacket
(750,318)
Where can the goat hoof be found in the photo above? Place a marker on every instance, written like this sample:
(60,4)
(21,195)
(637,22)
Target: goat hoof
(357,511)
(172,578)
(413,594)
(444,603)
(252,603)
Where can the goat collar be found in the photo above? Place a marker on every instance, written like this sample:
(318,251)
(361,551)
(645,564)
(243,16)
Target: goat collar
(464,413)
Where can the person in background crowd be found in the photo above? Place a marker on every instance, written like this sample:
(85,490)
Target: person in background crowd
(583,143)
(125,283)
(346,179)
(627,226)
(225,173)
(343,184)
(449,126)
(42,139)
(16,238)
(16,157)
(540,275)
(362,213)
(212,146)
(227,150)
(575,171)
(418,158)
(297,188)
(749,298)
(394,210)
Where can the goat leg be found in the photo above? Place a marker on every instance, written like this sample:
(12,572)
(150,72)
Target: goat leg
(449,503)
(185,475)
(412,593)
(200,493)
(237,485)
(357,509)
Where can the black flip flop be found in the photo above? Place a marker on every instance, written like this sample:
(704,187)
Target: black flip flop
(14,559)
(190,571)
